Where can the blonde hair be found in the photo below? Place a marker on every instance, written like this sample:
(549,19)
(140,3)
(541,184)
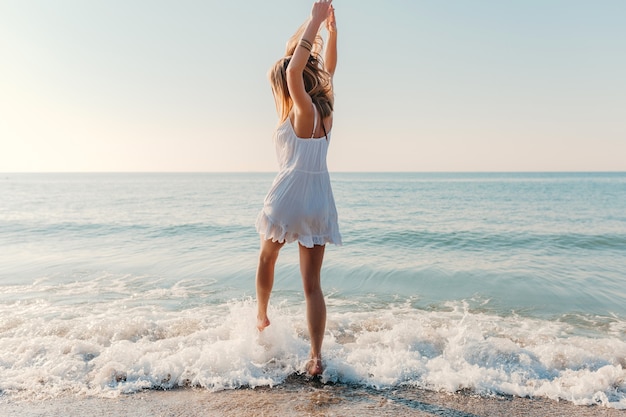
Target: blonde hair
(317,81)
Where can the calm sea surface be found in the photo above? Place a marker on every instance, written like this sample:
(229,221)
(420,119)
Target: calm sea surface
(497,283)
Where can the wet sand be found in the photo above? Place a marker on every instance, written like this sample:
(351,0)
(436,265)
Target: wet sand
(299,397)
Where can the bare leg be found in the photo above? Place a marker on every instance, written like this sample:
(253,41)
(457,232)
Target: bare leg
(265,279)
(310,268)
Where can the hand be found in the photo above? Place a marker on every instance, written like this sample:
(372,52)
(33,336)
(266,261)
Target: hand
(331,23)
(321,10)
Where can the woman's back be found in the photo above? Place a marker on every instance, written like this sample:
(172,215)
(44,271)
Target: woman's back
(301,153)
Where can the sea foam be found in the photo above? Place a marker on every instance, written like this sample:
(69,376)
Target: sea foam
(107,349)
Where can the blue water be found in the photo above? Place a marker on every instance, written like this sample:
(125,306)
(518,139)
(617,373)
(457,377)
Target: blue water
(497,283)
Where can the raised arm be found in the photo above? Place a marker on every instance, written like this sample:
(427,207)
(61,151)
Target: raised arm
(295,81)
(330,57)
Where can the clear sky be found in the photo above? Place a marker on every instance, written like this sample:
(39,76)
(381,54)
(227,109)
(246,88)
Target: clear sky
(436,85)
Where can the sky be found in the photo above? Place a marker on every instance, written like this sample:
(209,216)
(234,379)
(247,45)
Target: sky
(421,85)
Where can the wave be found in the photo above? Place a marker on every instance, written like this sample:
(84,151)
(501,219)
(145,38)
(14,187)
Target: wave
(468,241)
(125,345)
(480,241)
(81,230)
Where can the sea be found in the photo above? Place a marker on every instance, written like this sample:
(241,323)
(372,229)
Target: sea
(496,284)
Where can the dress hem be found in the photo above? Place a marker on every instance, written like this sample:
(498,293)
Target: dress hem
(278,233)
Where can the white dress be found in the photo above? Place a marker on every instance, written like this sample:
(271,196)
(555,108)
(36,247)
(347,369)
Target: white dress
(300,204)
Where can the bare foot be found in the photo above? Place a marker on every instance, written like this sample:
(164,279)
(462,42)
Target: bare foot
(262,323)
(314,367)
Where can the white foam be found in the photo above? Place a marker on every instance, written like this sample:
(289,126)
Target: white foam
(457,350)
(120,346)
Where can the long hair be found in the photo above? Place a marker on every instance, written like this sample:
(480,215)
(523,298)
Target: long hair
(317,81)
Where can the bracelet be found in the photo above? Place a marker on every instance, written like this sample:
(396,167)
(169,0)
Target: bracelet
(305,44)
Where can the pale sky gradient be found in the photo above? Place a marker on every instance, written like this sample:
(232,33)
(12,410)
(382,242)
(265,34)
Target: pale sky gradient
(465,85)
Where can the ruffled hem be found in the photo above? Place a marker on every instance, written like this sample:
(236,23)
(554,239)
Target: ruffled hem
(279,233)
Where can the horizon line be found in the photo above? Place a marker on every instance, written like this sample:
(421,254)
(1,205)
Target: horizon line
(331,172)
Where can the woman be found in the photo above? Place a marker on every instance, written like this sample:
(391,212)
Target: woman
(300,204)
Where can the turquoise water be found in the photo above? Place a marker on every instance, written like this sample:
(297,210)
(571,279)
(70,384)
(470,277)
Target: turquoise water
(500,283)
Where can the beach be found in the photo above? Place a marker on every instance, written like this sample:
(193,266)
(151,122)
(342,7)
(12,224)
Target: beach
(303,398)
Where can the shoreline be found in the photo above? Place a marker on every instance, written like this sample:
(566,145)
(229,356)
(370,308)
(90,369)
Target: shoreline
(301,397)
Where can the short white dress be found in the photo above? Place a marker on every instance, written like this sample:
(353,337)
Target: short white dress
(300,205)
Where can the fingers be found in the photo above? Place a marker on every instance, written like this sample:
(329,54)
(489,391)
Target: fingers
(330,11)
(331,23)
(321,9)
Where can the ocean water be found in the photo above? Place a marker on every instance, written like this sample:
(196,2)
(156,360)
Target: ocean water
(510,284)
